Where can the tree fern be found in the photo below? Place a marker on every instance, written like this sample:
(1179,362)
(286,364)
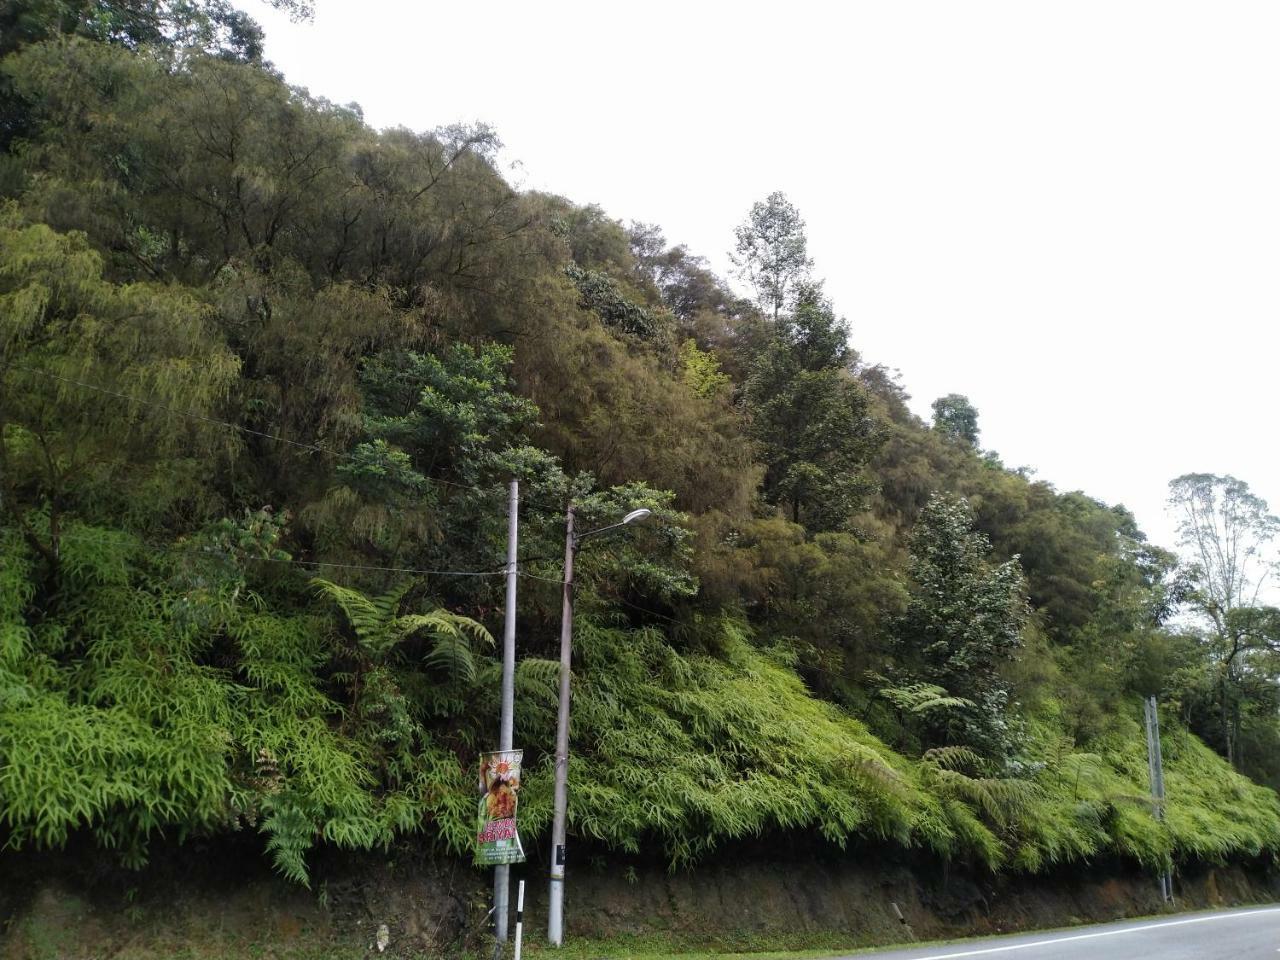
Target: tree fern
(957,771)
(954,758)
(378,627)
(923,698)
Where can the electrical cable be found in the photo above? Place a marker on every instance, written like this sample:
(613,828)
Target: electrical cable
(174,548)
(625,603)
(303,445)
(808,667)
(534,576)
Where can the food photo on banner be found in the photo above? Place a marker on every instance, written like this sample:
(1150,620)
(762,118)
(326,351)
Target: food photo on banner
(497,840)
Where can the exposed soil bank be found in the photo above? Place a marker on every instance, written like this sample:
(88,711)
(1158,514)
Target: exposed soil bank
(189,905)
(862,903)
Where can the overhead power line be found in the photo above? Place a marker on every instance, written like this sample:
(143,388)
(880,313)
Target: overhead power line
(213,551)
(300,444)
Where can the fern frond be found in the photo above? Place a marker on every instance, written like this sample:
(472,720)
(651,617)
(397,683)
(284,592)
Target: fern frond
(441,622)
(954,758)
(922,698)
(941,703)
(539,679)
(289,836)
(366,617)
(451,654)
(388,603)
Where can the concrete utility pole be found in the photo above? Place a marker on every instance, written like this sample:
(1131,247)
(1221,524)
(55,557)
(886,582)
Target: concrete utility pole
(555,904)
(506,728)
(1155,764)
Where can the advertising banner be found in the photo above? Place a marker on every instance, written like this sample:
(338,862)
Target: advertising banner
(496,838)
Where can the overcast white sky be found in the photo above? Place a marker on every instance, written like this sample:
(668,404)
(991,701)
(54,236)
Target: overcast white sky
(1069,212)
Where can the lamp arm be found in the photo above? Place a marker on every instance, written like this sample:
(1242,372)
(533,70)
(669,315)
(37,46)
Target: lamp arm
(591,533)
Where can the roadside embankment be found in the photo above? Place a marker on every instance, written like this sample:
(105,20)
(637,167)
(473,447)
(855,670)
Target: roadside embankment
(196,905)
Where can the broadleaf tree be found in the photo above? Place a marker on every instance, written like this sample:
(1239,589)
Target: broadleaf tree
(772,252)
(1227,534)
(955,417)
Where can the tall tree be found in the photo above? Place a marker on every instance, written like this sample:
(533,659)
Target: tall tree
(963,624)
(1226,532)
(772,252)
(955,417)
(213,26)
(67,448)
(810,418)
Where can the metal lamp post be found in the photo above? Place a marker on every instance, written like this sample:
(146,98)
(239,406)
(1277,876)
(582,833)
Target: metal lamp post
(506,727)
(555,909)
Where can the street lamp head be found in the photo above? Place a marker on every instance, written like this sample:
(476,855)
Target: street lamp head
(633,515)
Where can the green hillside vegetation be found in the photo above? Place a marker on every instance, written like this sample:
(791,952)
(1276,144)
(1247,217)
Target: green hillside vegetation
(264,375)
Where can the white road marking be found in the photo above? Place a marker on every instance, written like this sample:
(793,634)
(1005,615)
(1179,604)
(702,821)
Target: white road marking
(1104,933)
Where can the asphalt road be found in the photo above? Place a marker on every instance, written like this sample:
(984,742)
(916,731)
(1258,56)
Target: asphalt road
(1252,932)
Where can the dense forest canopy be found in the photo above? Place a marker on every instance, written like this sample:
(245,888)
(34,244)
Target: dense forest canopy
(265,374)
